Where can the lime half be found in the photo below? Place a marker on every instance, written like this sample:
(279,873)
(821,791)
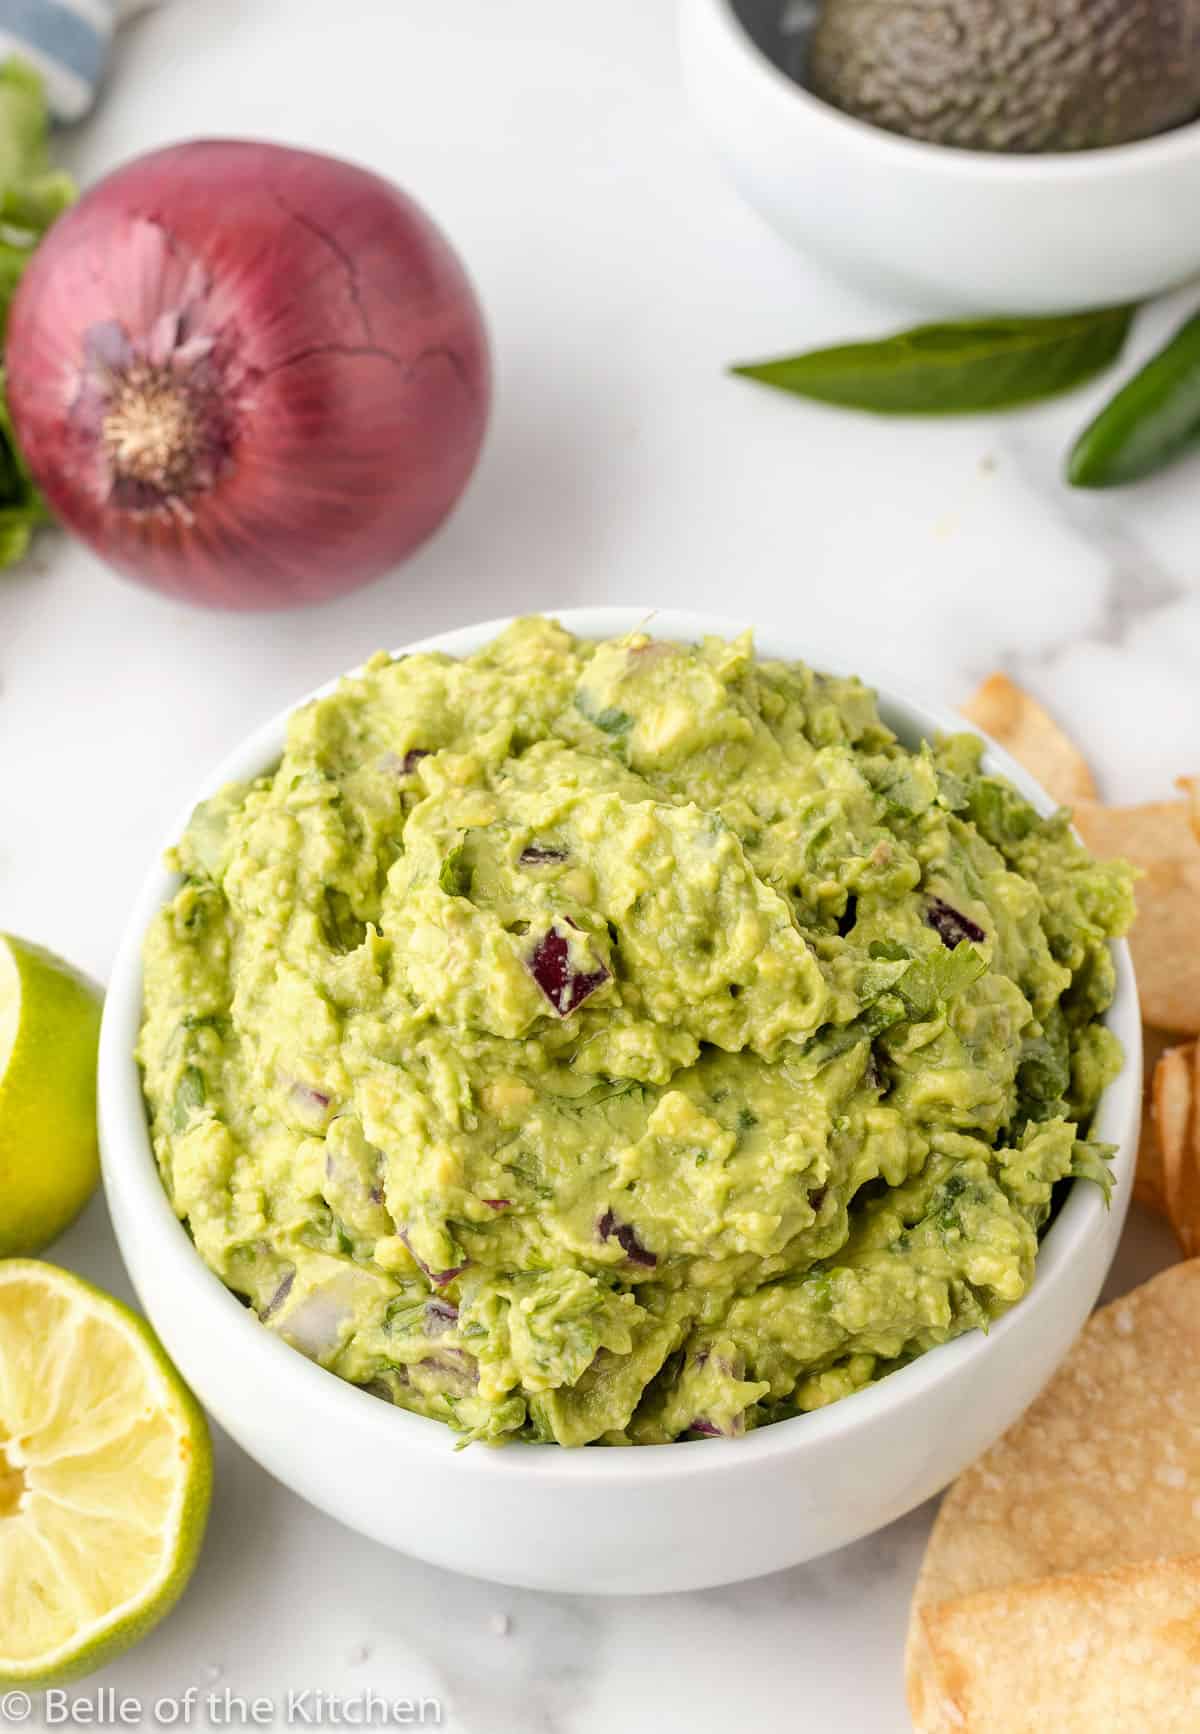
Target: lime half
(49,1030)
(105,1476)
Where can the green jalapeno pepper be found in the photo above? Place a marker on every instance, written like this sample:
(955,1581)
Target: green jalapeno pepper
(1151,421)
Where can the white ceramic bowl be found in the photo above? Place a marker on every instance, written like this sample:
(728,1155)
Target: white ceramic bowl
(972,231)
(672,1517)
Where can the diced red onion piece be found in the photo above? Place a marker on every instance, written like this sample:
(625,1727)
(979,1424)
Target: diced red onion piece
(459,1369)
(951,925)
(438,1277)
(440,1315)
(540,855)
(710,1430)
(403,767)
(311,1104)
(277,1299)
(315,1326)
(608,1228)
(550,966)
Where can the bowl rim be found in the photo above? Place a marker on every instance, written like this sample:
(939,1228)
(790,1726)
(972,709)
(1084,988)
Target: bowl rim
(956,162)
(131,1171)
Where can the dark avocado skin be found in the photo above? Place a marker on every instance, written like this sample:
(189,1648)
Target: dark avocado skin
(1011,75)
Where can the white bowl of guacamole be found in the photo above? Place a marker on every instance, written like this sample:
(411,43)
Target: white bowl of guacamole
(588,1034)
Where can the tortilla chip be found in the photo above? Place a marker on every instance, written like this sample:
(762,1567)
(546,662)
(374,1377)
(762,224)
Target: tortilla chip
(1171,1105)
(1183,1187)
(1150,1185)
(1117,1653)
(1102,1471)
(1019,724)
(1166,937)
(1176,1117)
(1191,788)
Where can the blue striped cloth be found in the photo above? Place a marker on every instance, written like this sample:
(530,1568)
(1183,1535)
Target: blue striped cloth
(68,42)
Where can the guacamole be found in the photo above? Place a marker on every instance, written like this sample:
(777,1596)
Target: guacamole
(623,1042)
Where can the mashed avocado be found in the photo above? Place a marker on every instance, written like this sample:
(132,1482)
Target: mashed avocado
(620,1042)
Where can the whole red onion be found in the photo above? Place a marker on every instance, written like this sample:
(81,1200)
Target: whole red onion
(247,375)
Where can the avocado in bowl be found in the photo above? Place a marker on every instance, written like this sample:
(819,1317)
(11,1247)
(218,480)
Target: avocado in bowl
(969,225)
(1051,75)
(545,1113)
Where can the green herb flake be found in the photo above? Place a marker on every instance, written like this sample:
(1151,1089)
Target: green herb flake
(610,720)
(940,977)
(190,1096)
(1090,1161)
(457,873)
(341,929)
(613,721)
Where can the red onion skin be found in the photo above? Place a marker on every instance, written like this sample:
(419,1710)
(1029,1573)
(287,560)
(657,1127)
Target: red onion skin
(347,370)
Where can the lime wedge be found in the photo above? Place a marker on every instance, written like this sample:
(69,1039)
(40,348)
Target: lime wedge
(105,1476)
(49,1029)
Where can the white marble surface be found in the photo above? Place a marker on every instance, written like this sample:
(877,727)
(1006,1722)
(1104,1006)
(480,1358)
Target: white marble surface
(620,275)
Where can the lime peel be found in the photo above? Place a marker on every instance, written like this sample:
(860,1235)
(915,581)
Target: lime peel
(105,1477)
(49,1034)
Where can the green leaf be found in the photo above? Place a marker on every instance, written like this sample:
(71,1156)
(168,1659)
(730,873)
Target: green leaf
(909,786)
(955,369)
(907,990)
(14,257)
(404,1317)
(16,532)
(24,123)
(940,977)
(610,720)
(944,1205)
(953,792)
(32,195)
(613,721)
(1044,1071)
(22,509)
(890,950)
(341,929)
(35,205)
(624,1087)
(932,979)
(457,873)
(999,813)
(1090,1161)
(881,975)
(831,1044)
